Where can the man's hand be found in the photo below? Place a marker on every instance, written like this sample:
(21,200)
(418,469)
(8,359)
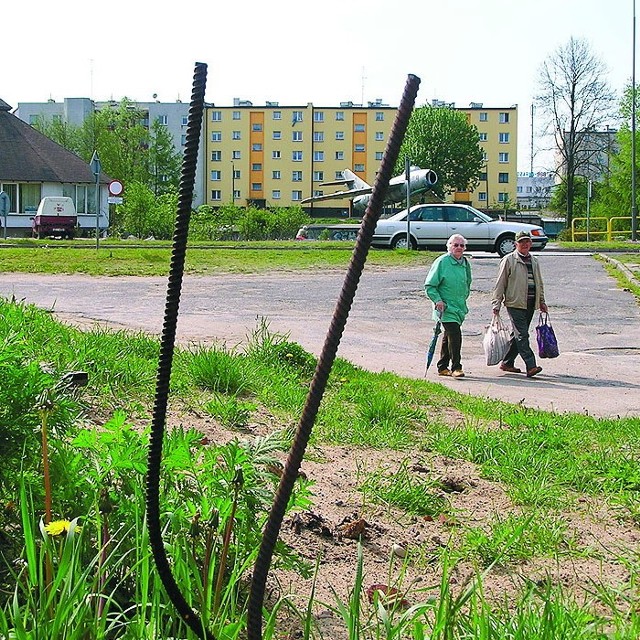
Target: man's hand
(440,305)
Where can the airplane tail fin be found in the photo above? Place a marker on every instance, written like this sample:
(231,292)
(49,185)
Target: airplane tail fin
(354,181)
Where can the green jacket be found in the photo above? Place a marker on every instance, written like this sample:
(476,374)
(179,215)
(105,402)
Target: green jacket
(449,281)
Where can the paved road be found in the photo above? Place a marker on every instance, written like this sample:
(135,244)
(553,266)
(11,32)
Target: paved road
(598,324)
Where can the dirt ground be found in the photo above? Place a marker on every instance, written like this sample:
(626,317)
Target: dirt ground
(403,551)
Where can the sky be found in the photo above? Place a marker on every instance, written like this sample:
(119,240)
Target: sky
(293,52)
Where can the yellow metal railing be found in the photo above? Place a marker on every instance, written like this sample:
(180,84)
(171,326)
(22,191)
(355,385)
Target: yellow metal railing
(588,233)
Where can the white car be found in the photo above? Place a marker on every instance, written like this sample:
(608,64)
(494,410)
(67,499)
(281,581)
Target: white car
(431,225)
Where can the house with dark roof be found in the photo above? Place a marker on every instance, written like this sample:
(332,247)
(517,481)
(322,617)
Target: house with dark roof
(32,167)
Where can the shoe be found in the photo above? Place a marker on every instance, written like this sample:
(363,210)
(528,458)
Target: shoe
(509,368)
(444,372)
(533,371)
(458,373)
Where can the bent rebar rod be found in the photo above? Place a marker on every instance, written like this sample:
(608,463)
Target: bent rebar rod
(327,357)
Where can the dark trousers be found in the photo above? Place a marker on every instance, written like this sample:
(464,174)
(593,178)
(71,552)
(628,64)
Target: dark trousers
(450,347)
(521,319)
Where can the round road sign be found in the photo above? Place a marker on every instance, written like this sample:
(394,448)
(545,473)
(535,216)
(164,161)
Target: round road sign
(115,188)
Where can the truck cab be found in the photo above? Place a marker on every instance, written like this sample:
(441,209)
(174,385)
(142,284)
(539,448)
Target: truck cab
(56,217)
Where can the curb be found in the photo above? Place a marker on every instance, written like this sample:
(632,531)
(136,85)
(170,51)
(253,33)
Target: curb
(629,275)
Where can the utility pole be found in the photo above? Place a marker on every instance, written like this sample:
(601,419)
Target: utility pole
(634,208)
(531,159)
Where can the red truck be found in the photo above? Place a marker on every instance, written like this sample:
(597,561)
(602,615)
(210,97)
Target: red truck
(56,217)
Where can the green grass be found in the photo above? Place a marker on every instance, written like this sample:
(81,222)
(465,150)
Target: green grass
(118,260)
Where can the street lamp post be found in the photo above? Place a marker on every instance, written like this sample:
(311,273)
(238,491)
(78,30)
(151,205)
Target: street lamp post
(96,167)
(407,177)
(233,183)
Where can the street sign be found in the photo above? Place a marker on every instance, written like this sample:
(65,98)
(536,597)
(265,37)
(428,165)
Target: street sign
(116,188)
(115,200)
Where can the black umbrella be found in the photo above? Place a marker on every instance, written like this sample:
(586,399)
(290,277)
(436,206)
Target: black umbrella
(437,330)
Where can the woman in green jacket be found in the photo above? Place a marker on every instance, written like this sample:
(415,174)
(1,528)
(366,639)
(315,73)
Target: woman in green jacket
(448,285)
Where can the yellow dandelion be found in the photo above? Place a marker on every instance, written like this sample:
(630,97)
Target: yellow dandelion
(58,527)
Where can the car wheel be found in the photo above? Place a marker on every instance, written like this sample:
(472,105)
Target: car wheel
(400,242)
(506,244)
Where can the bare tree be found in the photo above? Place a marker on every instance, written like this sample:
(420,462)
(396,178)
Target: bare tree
(577,101)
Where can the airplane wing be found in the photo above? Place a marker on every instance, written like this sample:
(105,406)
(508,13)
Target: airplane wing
(338,194)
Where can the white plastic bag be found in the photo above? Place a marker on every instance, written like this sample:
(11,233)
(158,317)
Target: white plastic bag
(496,341)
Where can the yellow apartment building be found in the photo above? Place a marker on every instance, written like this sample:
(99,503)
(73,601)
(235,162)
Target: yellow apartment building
(276,155)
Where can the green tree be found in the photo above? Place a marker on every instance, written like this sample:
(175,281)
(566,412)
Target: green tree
(144,214)
(164,161)
(441,139)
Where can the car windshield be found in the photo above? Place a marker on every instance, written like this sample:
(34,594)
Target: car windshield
(482,216)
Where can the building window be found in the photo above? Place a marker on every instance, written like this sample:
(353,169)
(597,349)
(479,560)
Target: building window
(339,115)
(216,116)
(277,115)
(296,136)
(164,120)
(318,116)
(216,156)
(236,174)
(318,136)
(529,189)
(519,189)
(256,146)
(185,121)
(277,135)
(256,166)
(256,186)
(236,194)
(484,116)
(379,116)
(275,194)
(256,126)
(339,135)
(317,192)
(216,136)
(483,176)
(482,137)
(339,155)
(275,175)
(296,195)
(183,139)
(318,176)
(359,128)
(503,197)
(504,118)
(236,115)
(296,156)
(359,148)
(296,117)
(215,175)
(503,178)
(339,175)
(318,156)
(275,155)
(482,196)
(379,155)
(359,168)
(296,176)
(379,136)
(503,138)
(216,194)
(235,155)
(235,135)
(503,157)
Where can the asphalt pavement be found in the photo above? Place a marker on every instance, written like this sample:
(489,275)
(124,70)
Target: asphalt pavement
(389,326)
